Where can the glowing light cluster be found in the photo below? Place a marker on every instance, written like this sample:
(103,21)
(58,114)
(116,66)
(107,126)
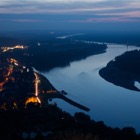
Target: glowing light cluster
(32,100)
(5,49)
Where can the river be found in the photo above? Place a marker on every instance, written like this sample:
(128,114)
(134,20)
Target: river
(116,106)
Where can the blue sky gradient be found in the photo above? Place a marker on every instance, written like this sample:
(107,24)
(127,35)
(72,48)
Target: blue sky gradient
(70,14)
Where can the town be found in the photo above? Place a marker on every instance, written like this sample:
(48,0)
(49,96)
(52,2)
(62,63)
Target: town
(21,85)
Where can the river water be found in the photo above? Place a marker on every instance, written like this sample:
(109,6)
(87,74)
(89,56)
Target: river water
(116,106)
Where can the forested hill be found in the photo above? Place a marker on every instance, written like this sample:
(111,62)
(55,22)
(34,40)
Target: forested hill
(49,52)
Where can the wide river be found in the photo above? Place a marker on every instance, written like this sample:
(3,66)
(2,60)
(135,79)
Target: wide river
(116,106)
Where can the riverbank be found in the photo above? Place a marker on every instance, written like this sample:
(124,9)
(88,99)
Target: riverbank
(47,91)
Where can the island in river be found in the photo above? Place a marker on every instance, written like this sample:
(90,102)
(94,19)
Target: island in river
(124,70)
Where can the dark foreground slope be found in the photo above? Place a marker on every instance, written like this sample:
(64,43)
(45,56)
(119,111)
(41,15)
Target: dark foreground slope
(51,123)
(124,70)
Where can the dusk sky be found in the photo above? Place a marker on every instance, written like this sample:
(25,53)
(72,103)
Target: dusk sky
(70,14)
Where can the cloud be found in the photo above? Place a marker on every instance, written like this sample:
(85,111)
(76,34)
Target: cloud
(110,19)
(123,14)
(65,6)
(97,10)
(21,20)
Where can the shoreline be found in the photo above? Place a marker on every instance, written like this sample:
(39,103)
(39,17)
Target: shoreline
(55,93)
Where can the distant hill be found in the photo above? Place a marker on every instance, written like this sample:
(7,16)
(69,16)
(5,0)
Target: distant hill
(129,38)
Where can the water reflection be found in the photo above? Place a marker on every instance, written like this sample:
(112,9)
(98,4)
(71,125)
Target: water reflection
(116,106)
